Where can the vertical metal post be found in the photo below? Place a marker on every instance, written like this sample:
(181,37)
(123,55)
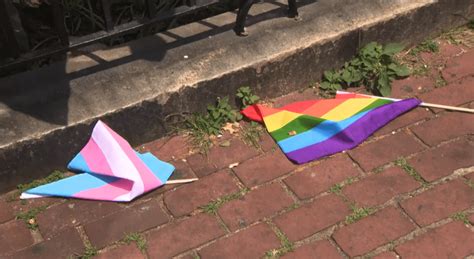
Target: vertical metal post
(58,21)
(109,23)
(151,8)
(11,29)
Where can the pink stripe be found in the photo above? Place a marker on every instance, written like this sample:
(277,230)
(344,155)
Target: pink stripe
(107,192)
(95,159)
(150,181)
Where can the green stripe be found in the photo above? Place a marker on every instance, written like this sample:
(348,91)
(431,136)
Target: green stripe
(300,124)
(377,103)
(305,122)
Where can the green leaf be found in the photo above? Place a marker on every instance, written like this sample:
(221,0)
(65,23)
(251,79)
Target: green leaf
(384,85)
(392,49)
(325,85)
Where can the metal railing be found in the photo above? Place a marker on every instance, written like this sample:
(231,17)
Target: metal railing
(18,53)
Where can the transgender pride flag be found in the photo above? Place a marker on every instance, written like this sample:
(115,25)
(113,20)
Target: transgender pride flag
(111,171)
(309,130)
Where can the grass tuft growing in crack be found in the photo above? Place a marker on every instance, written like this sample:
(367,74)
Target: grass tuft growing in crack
(251,134)
(358,213)
(461,216)
(402,163)
(139,240)
(213,206)
(429,46)
(89,252)
(29,217)
(286,246)
(337,188)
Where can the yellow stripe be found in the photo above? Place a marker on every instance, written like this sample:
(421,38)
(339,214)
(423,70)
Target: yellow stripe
(279,119)
(348,108)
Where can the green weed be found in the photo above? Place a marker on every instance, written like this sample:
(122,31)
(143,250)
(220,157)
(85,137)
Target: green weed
(337,188)
(29,217)
(246,96)
(430,46)
(213,206)
(54,176)
(358,213)
(374,66)
(89,252)
(251,134)
(286,246)
(461,216)
(402,162)
(202,126)
(139,240)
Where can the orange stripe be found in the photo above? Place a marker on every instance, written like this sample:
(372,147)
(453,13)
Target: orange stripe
(323,107)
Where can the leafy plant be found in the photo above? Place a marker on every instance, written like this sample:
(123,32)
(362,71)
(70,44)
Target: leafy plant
(374,67)
(246,96)
(54,176)
(202,126)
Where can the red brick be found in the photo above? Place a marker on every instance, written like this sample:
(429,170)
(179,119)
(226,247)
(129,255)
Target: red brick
(201,165)
(71,213)
(404,120)
(387,255)
(442,161)
(320,177)
(470,177)
(14,236)
(254,206)
(453,240)
(459,67)
(379,188)
(411,86)
(373,231)
(312,217)
(116,226)
(237,152)
(385,150)
(181,236)
(66,244)
(447,126)
(189,197)
(121,252)
(439,202)
(456,93)
(176,147)
(267,143)
(263,169)
(153,146)
(319,249)
(6,212)
(249,243)
(471,218)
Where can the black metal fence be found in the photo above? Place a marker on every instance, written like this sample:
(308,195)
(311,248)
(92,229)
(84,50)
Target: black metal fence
(17,52)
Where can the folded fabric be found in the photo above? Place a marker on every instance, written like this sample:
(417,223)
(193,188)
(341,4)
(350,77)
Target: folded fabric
(109,169)
(309,130)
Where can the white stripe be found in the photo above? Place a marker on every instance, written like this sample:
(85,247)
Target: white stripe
(117,159)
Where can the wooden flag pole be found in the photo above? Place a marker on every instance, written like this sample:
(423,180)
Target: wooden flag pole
(182,181)
(423,104)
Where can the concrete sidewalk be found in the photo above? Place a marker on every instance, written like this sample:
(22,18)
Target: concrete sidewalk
(356,203)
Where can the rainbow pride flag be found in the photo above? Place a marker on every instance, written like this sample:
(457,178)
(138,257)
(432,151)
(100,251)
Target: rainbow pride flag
(110,170)
(309,130)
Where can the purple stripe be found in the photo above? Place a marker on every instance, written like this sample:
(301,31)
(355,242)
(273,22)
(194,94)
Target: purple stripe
(355,133)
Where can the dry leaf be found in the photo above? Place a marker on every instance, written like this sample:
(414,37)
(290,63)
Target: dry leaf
(230,127)
(225,144)
(233,165)
(292,133)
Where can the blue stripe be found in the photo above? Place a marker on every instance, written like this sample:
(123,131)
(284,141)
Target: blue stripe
(321,132)
(78,163)
(69,186)
(160,169)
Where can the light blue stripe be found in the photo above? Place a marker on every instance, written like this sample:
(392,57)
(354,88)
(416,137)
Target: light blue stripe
(78,163)
(160,169)
(69,186)
(321,132)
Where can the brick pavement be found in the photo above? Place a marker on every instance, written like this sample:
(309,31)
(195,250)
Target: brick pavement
(280,209)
